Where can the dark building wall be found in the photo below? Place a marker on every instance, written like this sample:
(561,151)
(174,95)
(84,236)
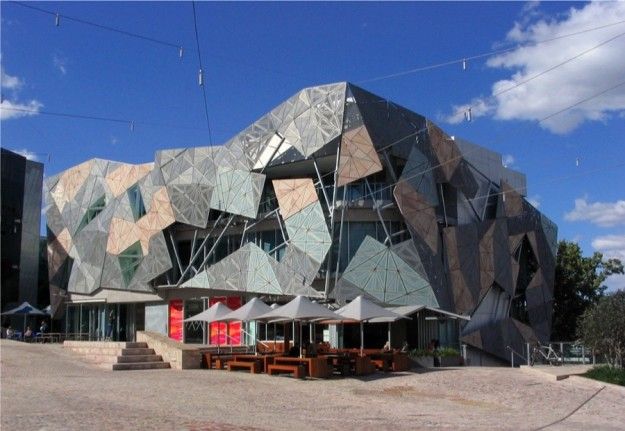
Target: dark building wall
(21,217)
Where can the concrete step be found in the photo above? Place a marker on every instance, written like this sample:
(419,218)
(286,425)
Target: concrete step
(105,344)
(137,351)
(101,359)
(137,345)
(141,366)
(139,358)
(112,351)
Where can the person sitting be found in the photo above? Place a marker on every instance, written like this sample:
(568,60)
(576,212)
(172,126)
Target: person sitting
(28,334)
(294,351)
(44,327)
(10,333)
(387,347)
(405,348)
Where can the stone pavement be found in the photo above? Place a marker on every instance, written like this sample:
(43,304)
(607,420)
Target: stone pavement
(46,387)
(559,372)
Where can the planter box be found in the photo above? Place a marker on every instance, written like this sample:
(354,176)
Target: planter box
(423,361)
(451,361)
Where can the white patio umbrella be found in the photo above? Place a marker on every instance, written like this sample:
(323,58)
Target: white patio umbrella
(363,310)
(248,312)
(215,313)
(24,309)
(303,310)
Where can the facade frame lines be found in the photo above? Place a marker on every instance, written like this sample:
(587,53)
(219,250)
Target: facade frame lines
(192,259)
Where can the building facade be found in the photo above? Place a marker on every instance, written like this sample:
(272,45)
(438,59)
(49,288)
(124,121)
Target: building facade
(21,218)
(334,193)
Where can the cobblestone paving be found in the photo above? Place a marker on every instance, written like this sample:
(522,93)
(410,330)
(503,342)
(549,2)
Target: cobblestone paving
(47,388)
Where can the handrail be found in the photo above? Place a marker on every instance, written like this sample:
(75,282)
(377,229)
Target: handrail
(255,338)
(514,352)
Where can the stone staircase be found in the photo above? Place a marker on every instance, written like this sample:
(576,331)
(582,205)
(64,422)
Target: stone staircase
(114,355)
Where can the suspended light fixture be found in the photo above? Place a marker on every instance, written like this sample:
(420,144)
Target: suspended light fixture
(467,115)
(200,78)
(180,52)
(464,64)
(57,20)
(132,126)
(577,161)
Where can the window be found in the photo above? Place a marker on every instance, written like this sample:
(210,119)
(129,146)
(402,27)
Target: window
(96,208)
(136,202)
(129,261)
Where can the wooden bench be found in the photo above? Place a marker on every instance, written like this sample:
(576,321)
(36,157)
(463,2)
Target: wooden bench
(297,370)
(212,360)
(380,364)
(252,366)
(222,361)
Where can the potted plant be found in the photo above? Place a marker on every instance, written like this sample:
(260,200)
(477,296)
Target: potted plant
(424,358)
(449,357)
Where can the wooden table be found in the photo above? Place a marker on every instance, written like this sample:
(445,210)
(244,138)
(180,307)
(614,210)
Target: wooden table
(315,367)
(265,360)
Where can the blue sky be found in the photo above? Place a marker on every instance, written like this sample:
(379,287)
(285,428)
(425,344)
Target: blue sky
(256,55)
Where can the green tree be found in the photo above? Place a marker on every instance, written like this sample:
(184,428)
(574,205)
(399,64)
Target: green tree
(578,285)
(602,328)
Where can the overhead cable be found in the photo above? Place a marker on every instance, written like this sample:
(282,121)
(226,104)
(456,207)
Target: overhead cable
(130,123)
(59,16)
(464,60)
(201,76)
(467,114)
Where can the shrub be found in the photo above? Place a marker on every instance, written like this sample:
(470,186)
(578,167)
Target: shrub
(448,352)
(607,374)
(421,352)
(602,328)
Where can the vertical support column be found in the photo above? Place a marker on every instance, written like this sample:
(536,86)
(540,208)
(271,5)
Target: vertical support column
(332,211)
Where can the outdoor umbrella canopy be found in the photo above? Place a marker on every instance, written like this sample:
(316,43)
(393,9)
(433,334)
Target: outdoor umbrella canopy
(215,313)
(362,309)
(301,309)
(250,311)
(24,309)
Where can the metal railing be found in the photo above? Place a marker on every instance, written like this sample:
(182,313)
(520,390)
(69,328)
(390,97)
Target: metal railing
(566,352)
(514,352)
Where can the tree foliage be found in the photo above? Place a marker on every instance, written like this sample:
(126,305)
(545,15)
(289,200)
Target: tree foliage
(602,327)
(578,285)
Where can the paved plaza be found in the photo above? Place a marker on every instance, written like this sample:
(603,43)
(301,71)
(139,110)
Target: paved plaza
(46,387)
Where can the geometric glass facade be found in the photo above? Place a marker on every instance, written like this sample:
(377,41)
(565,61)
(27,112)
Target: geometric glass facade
(334,193)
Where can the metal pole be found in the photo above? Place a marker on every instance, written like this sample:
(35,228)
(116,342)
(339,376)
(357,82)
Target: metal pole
(389,334)
(336,174)
(323,187)
(377,210)
(362,337)
(512,358)
(300,340)
(206,238)
(338,254)
(527,345)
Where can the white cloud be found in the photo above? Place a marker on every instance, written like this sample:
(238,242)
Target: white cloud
(615,282)
(9,109)
(612,246)
(60,63)
(13,108)
(507,160)
(27,153)
(604,214)
(565,85)
(534,201)
(8,81)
